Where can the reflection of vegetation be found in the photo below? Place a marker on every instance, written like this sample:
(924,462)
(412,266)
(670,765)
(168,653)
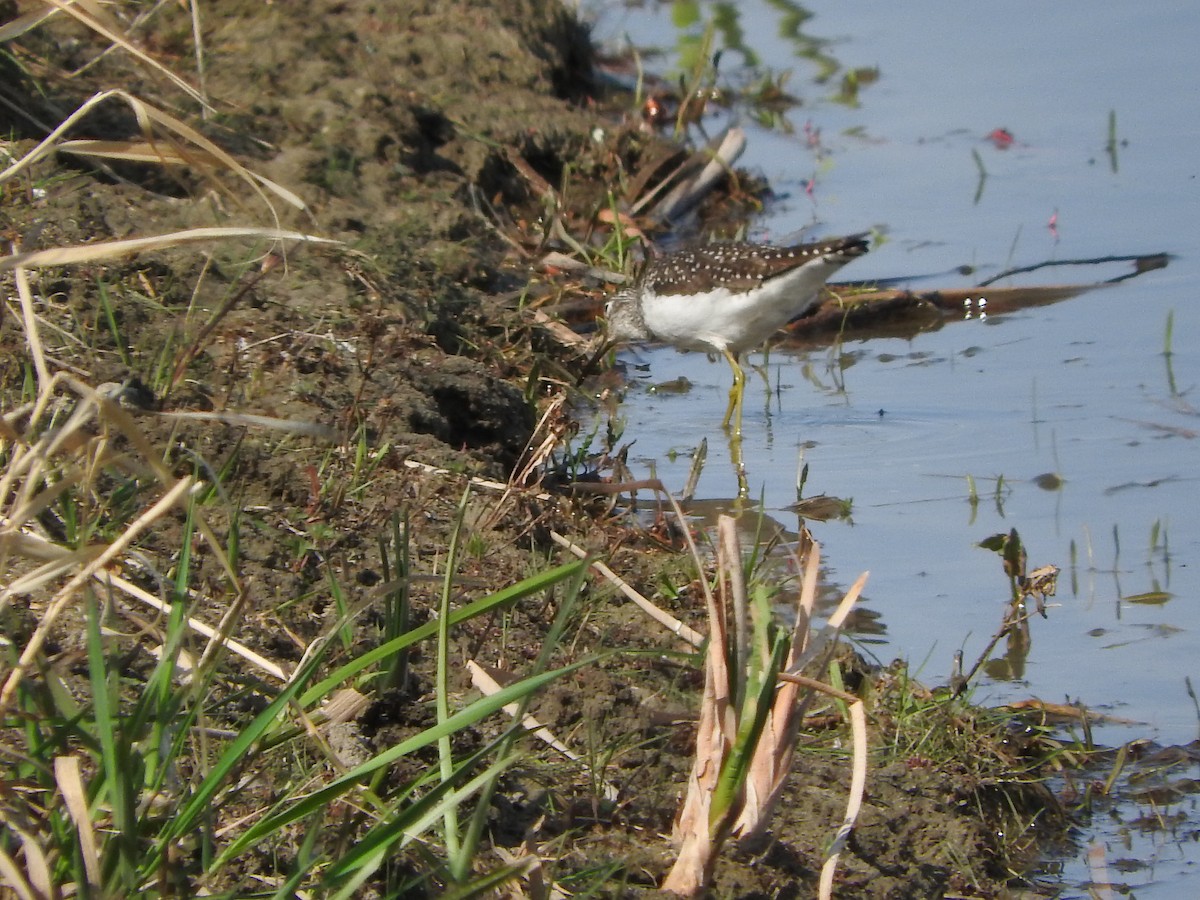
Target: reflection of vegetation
(698,83)
(1168,353)
(724,19)
(791,20)
(1110,147)
(983,174)
(853,81)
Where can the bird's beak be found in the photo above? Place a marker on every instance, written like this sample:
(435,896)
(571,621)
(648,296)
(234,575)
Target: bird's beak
(603,346)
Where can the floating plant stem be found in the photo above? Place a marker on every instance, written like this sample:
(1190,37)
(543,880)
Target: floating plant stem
(982,175)
(1111,146)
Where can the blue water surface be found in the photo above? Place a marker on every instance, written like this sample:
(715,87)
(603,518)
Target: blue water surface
(1083,390)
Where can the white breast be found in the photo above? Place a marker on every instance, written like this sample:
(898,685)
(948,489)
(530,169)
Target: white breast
(721,319)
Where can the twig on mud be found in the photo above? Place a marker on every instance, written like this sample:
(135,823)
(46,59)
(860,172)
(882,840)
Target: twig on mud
(603,488)
(215,635)
(488,685)
(556,260)
(578,487)
(482,483)
(664,618)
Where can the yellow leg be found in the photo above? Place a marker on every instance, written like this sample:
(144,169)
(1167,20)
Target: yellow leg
(735,395)
(734,412)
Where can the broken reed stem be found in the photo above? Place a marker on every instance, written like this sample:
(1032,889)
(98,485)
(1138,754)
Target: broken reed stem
(729,560)
(858,784)
(772,760)
(664,618)
(722,798)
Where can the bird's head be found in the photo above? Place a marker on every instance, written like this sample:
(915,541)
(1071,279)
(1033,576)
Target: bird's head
(623,314)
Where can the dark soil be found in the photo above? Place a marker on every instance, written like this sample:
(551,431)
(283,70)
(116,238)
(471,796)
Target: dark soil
(417,134)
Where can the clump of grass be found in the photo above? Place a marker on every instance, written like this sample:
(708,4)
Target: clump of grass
(156,772)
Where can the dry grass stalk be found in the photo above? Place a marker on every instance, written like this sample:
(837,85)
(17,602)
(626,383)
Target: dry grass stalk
(743,753)
(29,320)
(92,16)
(44,460)
(67,594)
(62,560)
(547,435)
(61,256)
(179,143)
(28,459)
(68,775)
(32,881)
(14,28)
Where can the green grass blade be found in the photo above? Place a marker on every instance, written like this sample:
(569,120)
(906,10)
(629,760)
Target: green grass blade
(479,820)
(117,773)
(303,864)
(485,885)
(473,713)
(752,719)
(450,835)
(235,755)
(110,319)
(531,585)
(345,632)
(413,820)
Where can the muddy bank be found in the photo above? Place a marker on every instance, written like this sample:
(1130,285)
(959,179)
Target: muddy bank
(424,138)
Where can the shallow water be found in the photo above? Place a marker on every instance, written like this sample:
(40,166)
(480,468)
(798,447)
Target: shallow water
(1081,389)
